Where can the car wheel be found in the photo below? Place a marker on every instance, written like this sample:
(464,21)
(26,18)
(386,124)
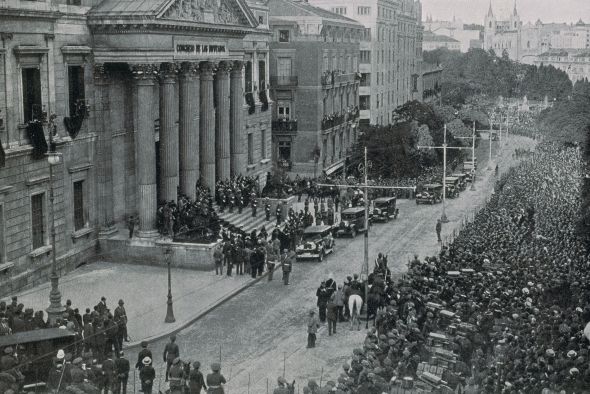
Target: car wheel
(321,256)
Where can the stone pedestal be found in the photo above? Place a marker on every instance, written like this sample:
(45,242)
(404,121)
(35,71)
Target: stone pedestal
(236,125)
(189,129)
(145,148)
(222,115)
(168,134)
(207,127)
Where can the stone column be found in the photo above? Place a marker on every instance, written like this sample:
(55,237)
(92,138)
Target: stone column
(222,110)
(168,134)
(106,210)
(145,148)
(236,124)
(188,132)
(207,127)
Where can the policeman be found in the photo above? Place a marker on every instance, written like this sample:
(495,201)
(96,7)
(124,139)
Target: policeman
(222,203)
(240,204)
(288,258)
(267,211)
(215,380)
(254,207)
(306,205)
(171,352)
(232,202)
(278,213)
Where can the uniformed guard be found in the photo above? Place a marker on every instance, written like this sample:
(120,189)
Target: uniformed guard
(215,380)
(171,352)
(278,213)
(231,201)
(316,206)
(254,207)
(287,264)
(330,216)
(222,203)
(318,218)
(240,204)
(306,205)
(267,211)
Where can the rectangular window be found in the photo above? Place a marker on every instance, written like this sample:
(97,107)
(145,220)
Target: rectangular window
(284,67)
(250,148)
(365,57)
(32,106)
(365,102)
(339,10)
(364,10)
(248,72)
(79,219)
(75,87)
(283,35)
(262,74)
(38,220)
(263,144)
(284,110)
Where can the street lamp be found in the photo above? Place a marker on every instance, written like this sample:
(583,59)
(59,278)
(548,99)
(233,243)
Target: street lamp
(55,309)
(169,307)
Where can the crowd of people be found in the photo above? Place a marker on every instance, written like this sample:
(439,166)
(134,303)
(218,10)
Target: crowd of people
(236,193)
(187,219)
(98,334)
(503,309)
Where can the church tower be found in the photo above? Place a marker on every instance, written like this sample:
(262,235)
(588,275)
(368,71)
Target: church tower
(514,19)
(489,28)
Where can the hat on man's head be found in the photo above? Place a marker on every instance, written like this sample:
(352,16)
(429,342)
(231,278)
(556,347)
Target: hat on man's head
(216,367)
(146,361)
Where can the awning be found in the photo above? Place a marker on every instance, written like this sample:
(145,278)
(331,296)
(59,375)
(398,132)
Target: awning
(334,167)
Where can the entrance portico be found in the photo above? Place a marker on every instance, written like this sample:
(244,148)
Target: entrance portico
(189,63)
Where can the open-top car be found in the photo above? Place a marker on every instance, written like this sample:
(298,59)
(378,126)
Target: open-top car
(431,193)
(452,187)
(384,209)
(462,180)
(352,222)
(317,242)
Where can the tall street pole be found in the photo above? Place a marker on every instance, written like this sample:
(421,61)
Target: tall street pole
(55,309)
(444,218)
(169,306)
(473,157)
(366,236)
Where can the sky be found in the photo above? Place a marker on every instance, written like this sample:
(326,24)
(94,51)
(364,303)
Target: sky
(474,11)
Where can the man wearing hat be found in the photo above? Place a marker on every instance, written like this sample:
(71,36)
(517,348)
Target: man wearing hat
(122,374)
(147,375)
(282,386)
(121,320)
(215,380)
(171,351)
(196,381)
(143,353)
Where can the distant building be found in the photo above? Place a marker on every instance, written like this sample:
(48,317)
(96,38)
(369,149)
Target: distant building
(391,52)
(433,41)
(524,42)
(315,86)
(467,35)
(429,89)
(575,62)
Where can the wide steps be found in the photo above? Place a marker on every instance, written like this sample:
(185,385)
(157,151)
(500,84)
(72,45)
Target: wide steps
(244,221)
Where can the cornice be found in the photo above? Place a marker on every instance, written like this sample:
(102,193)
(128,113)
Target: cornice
(135,25)
(29,14)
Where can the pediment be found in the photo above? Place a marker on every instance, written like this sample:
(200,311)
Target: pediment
(224,12)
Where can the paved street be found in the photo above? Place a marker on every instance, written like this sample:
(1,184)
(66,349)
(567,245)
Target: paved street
(266,323)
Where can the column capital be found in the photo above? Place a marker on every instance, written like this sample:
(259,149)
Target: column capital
(237,67)
(168,72)
(188,70)
(100,73)
(206,69)
(144,72)
(223,67)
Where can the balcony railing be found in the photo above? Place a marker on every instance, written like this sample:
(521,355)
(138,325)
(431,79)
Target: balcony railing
(337,119)
(284,126)
(291,80)
(337,76)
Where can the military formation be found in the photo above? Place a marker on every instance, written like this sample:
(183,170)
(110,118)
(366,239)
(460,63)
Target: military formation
(236,193)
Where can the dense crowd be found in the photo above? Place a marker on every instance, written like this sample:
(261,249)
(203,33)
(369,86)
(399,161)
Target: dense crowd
(236,193)
(98,334)
(501,310)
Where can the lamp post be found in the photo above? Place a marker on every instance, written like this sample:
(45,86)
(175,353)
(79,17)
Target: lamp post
(55,309)
(169,307)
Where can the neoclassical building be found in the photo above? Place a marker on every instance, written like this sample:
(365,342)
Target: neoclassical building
(147,99)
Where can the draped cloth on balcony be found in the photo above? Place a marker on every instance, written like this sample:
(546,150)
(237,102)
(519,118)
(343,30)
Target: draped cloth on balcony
(37,139)
(73,125)
(2,156)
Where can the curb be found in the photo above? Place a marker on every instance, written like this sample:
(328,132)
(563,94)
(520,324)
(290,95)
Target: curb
(200,315)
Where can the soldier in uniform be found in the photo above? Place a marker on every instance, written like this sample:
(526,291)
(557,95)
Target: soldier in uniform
(222,202)
(316,205)
(267,210)
(171,352)
(232,202)
(240,204)
(318,218)
(278,213)
(287,264)
(121,320)
(215,380)
(122,374)
(330,216)
(254,207)
(306,205)
(147,375)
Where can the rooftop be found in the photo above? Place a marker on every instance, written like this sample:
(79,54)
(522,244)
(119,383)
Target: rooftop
(429,36)
(298,8)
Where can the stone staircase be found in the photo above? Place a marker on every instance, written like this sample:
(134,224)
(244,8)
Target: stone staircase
(244,221)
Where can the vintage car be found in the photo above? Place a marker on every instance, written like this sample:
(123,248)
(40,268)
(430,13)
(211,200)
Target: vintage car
(352,222)
(452,187)
(430,194)
(384,209)
(317,242)
(462,181)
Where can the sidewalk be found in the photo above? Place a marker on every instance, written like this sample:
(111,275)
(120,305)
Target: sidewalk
(144,290)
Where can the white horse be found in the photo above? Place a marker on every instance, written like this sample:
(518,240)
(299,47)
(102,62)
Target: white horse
(355,304)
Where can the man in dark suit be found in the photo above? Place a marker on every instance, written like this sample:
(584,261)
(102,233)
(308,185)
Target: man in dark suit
(171,351)
(121,374)
(143,353)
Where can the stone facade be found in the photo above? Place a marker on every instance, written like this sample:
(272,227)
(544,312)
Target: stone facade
(314,84)
(391,52)
(574,62)
(159,105)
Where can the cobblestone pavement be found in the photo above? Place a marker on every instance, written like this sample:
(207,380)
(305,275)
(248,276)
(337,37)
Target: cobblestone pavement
(263,330)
